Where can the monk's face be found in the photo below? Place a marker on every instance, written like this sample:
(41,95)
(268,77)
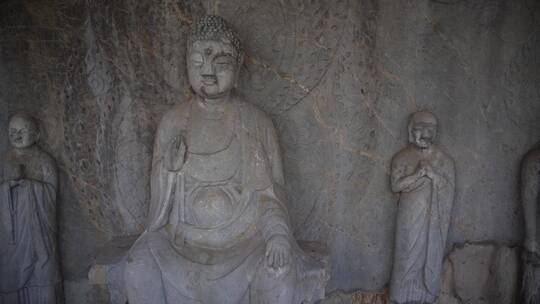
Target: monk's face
(423,134)
(212,68)
(22,133)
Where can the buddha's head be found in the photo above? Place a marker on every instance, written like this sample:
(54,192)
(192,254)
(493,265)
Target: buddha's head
(422,129)
(23,131)
(214,57)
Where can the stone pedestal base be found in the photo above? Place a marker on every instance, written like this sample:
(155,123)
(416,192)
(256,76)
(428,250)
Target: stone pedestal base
(108,268)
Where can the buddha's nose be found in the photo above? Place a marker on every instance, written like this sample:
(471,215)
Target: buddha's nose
(207,69)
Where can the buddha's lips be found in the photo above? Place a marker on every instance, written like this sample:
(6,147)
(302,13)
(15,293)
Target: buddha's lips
(211,96)
(209,79)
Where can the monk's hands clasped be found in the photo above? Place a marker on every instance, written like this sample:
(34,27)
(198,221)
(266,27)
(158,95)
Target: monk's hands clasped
(20,182)
(176,154)
(425,169)
(278,252)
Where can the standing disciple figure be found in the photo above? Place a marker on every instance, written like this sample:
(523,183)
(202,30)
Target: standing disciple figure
(219,229)
(424,177)
(29,270)
(530,196)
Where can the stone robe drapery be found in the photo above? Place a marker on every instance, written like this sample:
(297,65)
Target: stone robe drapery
(28,253)
(220,264)
(422,226)
(530,195)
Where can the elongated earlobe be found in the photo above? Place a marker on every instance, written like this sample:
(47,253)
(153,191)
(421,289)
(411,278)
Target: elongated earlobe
(37,136)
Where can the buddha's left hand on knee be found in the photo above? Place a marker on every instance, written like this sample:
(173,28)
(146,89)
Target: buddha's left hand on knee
(278,253)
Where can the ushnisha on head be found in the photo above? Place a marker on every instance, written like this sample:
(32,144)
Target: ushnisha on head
(214,57)
(23,131)
(422,129)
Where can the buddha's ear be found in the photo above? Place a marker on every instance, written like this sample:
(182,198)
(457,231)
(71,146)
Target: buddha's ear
(36,126)
(409,132)
(241,58)
(37,135)
(240,65)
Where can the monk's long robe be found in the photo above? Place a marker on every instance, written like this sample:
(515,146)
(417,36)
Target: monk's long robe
(530,195)
(422,226)
(219,264)
(28,251)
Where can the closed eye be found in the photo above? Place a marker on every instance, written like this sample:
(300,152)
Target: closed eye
(225,59)
(197,59)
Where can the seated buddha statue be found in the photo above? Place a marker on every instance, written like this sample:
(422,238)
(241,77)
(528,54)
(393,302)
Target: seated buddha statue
(219,230)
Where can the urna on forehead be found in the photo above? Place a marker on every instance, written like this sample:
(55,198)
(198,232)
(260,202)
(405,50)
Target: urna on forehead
(215,28)
(423,117)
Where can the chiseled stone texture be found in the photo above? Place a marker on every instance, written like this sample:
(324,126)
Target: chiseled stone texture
(340,297)
(447,295)
(338,78)
(481,274)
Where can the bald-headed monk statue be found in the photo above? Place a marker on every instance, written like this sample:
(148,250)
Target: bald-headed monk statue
(424,177)
(29,269)
(219,230)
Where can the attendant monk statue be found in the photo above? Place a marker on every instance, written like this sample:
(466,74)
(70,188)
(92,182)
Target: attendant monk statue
(530,196)
(219,230)
(424,177)
(29,272)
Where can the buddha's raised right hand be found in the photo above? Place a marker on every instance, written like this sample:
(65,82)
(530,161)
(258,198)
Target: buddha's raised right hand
(176,154)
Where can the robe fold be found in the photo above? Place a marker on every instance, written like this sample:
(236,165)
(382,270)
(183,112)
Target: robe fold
(28,255)
(422,226)
(219,264)
(530,196)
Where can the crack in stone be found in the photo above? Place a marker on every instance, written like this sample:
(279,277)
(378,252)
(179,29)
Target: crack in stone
(278,73)
(182,16)
(393,77)
(453,292)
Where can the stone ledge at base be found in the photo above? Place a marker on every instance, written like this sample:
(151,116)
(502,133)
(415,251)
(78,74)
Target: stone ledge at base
(107,270)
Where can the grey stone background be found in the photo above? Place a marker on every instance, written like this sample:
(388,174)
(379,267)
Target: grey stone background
(339,79)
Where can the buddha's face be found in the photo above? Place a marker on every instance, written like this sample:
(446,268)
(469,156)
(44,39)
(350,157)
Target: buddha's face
(22,133)
(423,134)
(212,68)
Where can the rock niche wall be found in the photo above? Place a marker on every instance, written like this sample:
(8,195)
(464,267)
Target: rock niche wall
(339,78)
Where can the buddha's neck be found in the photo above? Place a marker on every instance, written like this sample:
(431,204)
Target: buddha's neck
(215,104)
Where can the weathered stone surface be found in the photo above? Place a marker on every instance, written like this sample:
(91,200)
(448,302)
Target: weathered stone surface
(218,224)
(424,176)
(29,259)
(340,297)
(447,295)
(338,79)
(530,198)
(481,273)
(107,273)
(83,291)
